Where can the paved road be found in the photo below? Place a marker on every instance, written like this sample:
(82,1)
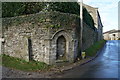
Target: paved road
(104,66)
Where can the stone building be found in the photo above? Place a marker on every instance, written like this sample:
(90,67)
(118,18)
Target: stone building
(97,20)
(112,35)
(48,37)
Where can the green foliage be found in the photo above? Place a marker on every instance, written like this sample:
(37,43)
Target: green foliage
(41,20)
(54,26)
(91,51)
(0,59)
(20,64)
(11,9)
(88,18)
(66,7)
(33,7)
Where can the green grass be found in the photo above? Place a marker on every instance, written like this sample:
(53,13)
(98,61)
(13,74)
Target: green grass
(20,64)
(91,51)
(0,60)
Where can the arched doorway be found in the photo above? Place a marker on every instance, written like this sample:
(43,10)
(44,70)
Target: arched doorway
(61,48)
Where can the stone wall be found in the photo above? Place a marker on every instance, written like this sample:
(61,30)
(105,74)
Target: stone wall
(93,12)
(35,36)
(97,20)
(89,37)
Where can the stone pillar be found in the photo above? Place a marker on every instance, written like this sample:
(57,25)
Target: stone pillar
(75,48)
(26,50)
(1,40)
(47,51)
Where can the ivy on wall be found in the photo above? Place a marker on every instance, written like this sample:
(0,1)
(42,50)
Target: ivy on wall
(11,9)
(66,7)
(88,18)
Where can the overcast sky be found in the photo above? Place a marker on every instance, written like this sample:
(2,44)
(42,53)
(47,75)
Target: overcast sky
(108,10)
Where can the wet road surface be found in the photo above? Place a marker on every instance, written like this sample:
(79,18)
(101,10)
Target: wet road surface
(104,66)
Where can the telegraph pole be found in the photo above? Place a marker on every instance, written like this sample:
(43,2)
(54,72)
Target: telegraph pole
(81,22)
(0,27)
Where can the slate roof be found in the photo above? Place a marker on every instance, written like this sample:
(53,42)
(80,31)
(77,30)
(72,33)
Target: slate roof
(112,31)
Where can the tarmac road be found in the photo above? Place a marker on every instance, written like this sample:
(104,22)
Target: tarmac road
(104,66)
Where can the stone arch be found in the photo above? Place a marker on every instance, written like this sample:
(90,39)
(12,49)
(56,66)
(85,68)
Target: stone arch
(61,32)
(68,43)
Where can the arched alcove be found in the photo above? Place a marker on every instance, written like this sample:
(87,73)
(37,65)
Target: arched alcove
(61,48)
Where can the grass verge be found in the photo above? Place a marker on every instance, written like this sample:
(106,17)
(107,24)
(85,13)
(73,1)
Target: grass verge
(20,64)
(92,50)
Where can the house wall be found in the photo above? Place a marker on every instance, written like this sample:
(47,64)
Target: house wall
(112,35)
